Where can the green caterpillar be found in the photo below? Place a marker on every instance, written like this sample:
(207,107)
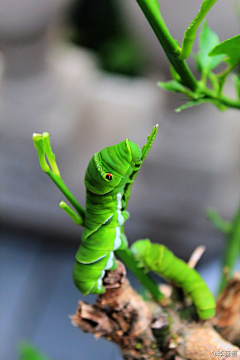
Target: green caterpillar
(107,178)
(159,259)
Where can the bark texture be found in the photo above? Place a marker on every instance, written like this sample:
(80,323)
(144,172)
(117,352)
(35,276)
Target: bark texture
(227,319)
(120,315)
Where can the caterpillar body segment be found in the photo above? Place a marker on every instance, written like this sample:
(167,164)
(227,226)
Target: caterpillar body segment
(88,277)
(158,258)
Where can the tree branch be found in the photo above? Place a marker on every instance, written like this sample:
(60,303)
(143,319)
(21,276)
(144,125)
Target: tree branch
(126,321)
(147,331)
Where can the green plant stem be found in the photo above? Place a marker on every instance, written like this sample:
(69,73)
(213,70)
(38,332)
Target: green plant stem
(214,81)
(229,102)
(151,10)
(218,222)
(190,33)
(77,219)
(60,184)
(232,249)
(128,259)
(225,100)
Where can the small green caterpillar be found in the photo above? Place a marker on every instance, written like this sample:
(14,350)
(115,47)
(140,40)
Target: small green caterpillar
(158,258)
(106,177)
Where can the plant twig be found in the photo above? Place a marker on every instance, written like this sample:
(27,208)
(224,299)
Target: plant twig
(152,12)
(196,256)
(190,33)
(43,147)
(217,221)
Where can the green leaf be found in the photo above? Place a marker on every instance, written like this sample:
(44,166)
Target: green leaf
(230,47)
(236,80)
(189,104)
(175,86)
(208,40)
(172,85)
(198,64)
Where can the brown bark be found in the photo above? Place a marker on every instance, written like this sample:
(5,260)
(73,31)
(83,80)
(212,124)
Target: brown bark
(145,331)
(193,340)
(227,319)
(199,341)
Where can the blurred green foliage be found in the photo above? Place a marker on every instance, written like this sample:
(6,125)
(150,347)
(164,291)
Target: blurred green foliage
(99,25)
(29,352)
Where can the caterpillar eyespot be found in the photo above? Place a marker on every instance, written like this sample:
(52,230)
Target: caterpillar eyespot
(104,215)
(158,258)
(108,176)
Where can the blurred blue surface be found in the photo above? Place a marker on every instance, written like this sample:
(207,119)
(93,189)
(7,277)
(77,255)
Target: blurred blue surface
(38,295)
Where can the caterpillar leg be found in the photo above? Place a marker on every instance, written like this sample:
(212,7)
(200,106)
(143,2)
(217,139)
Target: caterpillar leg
(124,242)
(125,215)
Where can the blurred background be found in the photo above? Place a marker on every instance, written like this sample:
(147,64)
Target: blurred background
(86,71)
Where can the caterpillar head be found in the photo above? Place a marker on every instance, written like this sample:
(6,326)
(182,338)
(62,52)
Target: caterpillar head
(141,248)
(107,167)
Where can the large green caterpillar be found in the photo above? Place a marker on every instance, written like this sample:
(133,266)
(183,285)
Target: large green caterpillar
(108,179)
(107,176)
(158,258)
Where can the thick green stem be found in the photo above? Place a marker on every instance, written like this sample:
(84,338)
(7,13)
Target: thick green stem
(151,10)
(128,259)
(232,249)
(235,104)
